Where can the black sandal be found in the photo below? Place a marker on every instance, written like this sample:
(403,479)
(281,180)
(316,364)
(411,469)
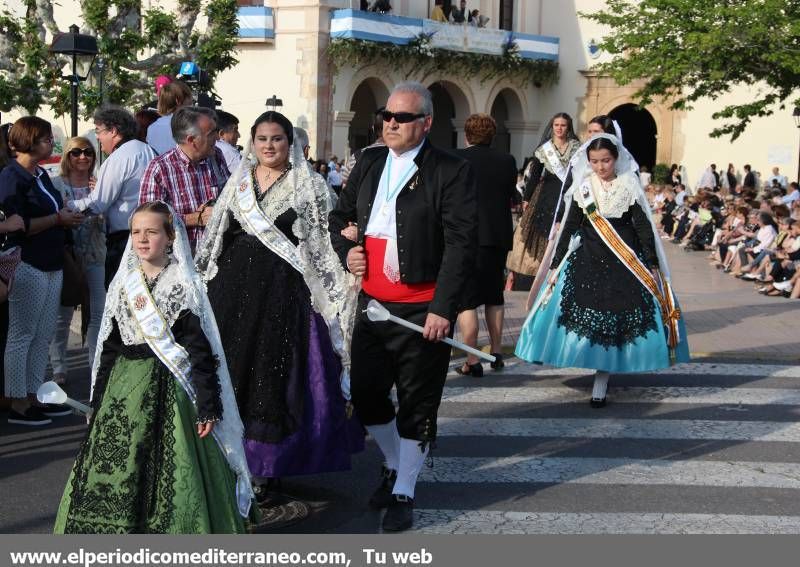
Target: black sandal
(475,370)
(498,364)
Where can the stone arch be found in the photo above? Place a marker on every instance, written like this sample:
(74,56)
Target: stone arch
(509,92)
(366,97)
(451,107)
(603,95)
(506,109)
(639,132)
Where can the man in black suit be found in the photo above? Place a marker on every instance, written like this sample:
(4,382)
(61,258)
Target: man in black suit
(416,215)
(496,179)
(749,181)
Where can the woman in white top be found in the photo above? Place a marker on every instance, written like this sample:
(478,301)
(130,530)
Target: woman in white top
(76,181)
(766,233)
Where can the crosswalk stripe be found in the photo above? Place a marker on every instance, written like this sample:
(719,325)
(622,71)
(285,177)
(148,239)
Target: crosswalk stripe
(629,394)
(620,429)
(607,471)
(717,369)
(687,368)
(499,522)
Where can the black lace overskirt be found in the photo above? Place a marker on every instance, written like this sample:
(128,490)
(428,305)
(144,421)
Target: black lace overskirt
(262,306)
(601,299)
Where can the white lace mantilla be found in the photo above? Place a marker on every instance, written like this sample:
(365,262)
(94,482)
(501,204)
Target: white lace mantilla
(613,202)
(169,294)
(179,287)
(334,291)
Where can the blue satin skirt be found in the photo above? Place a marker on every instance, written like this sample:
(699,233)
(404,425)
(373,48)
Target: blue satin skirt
(542,340)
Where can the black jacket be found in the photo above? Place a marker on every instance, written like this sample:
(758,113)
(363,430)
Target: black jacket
(20,194)
(496,179)
(437,218)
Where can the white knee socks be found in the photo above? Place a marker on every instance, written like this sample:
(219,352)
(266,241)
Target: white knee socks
(600,385)
(411,460)
(388,439)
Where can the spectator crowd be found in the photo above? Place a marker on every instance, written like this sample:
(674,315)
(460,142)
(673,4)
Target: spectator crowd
(751,232)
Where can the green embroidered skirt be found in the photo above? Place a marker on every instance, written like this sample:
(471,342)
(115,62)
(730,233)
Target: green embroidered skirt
(142,467)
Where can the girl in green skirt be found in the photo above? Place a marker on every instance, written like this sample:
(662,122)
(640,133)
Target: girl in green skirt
(163,453)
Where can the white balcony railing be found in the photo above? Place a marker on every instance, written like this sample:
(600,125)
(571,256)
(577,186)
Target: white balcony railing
(256,23)
(400,30)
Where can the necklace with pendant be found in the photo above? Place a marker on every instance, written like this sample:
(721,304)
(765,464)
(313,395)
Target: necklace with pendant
(151,282)
(391,193)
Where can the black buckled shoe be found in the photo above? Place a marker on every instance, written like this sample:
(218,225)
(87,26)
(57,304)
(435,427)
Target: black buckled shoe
(475,370)
(498,364)
(382,496)
(598,402)
(400,514)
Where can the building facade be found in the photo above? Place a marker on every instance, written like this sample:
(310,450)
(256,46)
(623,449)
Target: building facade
(283,51)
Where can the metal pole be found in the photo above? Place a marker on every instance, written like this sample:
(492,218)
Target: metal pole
(101,67)
(798,160)
(73,87)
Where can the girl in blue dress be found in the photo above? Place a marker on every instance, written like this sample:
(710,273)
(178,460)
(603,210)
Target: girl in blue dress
(608,302)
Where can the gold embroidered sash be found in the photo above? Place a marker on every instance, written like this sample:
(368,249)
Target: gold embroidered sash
(660,289)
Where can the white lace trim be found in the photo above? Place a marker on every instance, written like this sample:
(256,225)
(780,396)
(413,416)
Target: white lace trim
(278,199)
(626,165)
(615,201)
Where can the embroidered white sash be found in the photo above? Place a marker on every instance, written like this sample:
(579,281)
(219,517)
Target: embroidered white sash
(552,156)
(257,224)
(156,331)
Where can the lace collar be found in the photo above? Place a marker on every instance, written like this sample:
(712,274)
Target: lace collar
(276,200)
(614,201)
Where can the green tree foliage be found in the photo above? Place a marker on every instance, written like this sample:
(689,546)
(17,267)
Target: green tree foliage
(685,50)
(135,44)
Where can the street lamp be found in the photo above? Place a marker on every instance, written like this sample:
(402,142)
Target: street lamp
(796,116)
(83,49)
(273,103)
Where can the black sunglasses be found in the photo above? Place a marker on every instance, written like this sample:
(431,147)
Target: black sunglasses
(401,117)
(75,152)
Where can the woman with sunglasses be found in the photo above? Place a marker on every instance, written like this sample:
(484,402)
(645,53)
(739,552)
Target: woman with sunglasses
(76,181)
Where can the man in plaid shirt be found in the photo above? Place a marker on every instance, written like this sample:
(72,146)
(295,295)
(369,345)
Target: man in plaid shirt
(190,176)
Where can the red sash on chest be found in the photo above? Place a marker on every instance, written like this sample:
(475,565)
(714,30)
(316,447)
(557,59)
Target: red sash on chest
(376,284)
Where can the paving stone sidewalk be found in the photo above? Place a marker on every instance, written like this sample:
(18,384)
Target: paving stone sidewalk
(725,317)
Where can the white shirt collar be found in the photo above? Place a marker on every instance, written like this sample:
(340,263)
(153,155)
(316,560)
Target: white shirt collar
(408,154)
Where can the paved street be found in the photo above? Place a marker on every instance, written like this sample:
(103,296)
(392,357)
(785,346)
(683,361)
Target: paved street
(712,446)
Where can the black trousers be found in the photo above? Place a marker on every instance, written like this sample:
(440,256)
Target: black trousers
(385,354)
(115,248)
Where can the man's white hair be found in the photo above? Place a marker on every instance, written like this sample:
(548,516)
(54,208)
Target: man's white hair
(426,101)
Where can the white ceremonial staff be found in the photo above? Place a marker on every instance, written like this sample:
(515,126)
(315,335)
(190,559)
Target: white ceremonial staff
(51,393)
(377,312)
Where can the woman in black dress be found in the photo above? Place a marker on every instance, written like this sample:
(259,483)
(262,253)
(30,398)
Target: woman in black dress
(547,171)
(280,295)
(599,309)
